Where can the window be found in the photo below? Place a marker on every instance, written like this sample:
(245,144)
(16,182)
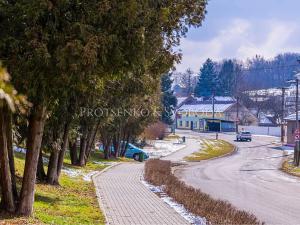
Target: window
(196,124)
(187,124)
(180,123)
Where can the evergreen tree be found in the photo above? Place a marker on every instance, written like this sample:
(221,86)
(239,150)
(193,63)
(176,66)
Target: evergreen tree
(207,83)
(227,78)
(168,100)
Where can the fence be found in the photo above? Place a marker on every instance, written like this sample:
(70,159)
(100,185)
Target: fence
(272,131)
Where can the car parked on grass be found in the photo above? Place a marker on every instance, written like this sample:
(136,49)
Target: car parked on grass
(132,152)
(135,153)
(244,136)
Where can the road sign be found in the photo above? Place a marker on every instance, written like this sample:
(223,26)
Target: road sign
(297,132)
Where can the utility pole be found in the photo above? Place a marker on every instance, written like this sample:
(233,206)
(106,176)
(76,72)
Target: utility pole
(296,149)
(213,105)
(237,115)
(282,114)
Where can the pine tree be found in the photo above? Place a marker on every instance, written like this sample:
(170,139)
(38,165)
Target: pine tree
(168,100)
(207,83)
(227,78)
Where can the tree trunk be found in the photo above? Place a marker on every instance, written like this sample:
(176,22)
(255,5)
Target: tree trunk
(34,140)
(125,145)
(82,151)
(40,173)
(83,145)
(106,152)
(73,152)
(91,141)
(11,153)
(7,200)
(63,150)
(116,144)
(52,166)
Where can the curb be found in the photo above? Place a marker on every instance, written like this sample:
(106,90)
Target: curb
(96,189)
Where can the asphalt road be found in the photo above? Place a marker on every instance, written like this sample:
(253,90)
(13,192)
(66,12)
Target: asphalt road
(250,179)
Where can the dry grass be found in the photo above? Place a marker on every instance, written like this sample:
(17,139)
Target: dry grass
(73,202)
(158,172)
(288,167)
(211,149)
(172,137)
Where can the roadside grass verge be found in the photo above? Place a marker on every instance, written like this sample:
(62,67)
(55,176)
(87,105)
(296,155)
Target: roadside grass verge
(172,137)
(211,149)
(288,167)
(158,172)
(73,202)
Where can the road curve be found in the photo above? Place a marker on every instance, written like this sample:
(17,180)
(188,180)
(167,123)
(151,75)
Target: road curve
(250,179)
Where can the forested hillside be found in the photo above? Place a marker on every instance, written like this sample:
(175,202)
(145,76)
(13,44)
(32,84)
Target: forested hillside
(232,76)
(261,73)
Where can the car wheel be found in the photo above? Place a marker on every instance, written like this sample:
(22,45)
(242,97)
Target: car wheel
(136,157)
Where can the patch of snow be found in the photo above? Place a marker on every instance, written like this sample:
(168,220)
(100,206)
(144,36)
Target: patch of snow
(163,148)
(288,150)
(179,208)
(71,172)
(19,149)
(88,176)
(45,160)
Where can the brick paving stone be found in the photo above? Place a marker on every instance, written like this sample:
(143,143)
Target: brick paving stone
(125,200)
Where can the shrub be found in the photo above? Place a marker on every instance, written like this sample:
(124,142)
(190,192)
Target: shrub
(155,131)
(158,172)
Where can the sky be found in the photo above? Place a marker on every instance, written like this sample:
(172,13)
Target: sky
(242,29)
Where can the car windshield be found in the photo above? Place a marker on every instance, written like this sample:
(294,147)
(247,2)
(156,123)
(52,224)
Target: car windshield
(246,133)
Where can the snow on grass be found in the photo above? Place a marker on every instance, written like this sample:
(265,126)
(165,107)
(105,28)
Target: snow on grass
(19,149)
(71,172)
(288,150)
(179,208)
(85,174)
(163,148)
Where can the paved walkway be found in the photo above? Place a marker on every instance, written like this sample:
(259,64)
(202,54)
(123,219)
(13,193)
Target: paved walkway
(125,200)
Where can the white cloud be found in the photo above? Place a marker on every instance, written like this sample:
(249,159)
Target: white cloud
(241,39)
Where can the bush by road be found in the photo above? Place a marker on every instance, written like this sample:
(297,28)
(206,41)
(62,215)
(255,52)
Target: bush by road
(158,172)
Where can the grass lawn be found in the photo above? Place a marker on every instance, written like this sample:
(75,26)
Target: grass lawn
(73,202)
(211,149)
(288,167)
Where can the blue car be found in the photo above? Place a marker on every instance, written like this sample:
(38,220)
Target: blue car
(132,152)
(135,153)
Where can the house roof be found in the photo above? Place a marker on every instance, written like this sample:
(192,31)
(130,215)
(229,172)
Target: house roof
(224,99)
(292,117)
(205,107)
(181,100)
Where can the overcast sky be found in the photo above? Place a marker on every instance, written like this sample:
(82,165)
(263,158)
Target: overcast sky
(241,29)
